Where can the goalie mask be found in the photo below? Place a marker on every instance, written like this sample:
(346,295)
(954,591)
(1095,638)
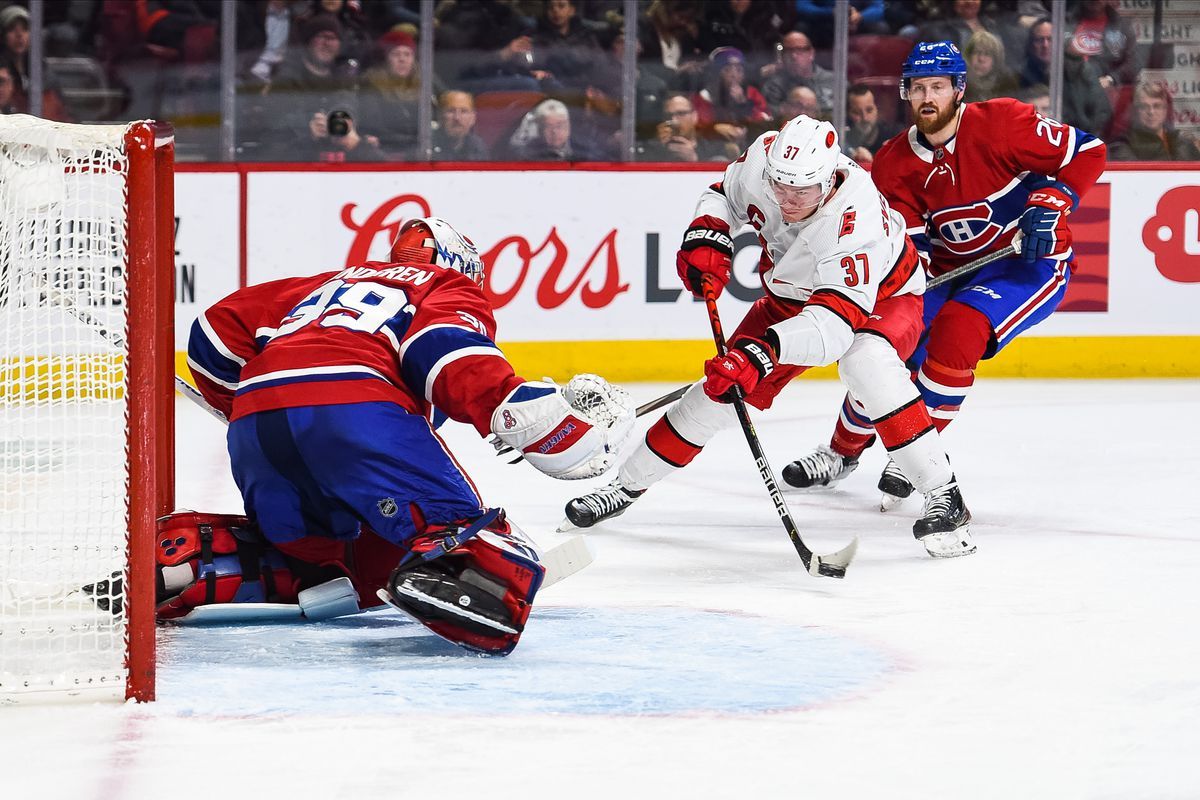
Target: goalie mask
(431,240)
(801,165)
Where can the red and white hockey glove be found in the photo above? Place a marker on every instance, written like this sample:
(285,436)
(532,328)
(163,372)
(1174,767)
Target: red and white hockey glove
(747,362)
(707,249)
(1043,224)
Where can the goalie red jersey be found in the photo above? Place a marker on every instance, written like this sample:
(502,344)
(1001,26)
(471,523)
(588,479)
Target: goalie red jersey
(964,199)
(418,336)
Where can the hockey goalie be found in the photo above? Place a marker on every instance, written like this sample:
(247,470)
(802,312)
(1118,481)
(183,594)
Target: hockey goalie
(333,386)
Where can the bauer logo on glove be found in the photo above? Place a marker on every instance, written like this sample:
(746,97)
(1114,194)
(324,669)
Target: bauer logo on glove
(747,362)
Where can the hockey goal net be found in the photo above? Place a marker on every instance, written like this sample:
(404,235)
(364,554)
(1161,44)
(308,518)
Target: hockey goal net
(86,402)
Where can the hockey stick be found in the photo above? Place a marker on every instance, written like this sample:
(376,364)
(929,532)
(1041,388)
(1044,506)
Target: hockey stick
(117,340)
(830,566)
(977,264)
(655,404)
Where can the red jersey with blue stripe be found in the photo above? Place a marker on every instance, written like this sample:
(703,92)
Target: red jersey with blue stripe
(421,337)
(963,199)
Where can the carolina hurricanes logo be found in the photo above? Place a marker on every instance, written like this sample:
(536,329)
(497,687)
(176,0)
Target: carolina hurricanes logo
(966,229)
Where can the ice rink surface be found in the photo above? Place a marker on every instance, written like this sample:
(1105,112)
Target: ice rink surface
(697,659)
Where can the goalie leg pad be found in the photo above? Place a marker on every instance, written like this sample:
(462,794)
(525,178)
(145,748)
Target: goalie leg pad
(471,584)
(204,559)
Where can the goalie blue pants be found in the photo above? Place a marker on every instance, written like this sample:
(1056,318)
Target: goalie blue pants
(328,470)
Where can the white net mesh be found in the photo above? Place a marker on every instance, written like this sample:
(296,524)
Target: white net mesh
(63,471)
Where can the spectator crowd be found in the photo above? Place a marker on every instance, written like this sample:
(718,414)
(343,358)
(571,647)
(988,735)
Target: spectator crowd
(543,80)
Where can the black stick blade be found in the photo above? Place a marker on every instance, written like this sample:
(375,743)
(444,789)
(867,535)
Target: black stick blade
(834,565)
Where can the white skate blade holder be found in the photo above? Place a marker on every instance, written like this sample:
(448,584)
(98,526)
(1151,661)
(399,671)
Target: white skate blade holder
(335,598)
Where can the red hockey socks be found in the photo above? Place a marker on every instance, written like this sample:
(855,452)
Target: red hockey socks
(958,340)
(853,433)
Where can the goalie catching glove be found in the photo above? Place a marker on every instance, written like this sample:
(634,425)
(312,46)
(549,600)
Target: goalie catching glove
(569,432)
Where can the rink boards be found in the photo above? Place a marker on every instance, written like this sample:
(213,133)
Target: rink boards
(581,260)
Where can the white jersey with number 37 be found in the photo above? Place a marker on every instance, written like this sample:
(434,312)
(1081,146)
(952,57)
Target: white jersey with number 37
(846,256)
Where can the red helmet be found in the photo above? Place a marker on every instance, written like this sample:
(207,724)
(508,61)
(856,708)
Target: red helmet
(431,240)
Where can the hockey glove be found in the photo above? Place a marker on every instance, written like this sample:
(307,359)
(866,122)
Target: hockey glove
(1043,225)
(747,362)
(707,249)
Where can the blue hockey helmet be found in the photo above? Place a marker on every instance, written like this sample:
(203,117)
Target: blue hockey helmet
(934,59)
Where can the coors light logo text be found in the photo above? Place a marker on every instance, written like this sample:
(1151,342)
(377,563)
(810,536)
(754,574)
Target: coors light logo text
(509,262)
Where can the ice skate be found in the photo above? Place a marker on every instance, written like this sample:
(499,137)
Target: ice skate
(944,527)
(604,503)
(822,467)
(893,486)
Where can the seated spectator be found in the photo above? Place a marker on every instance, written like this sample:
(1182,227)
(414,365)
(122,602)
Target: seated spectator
(356,39)
(800,100)
(669,42)
(8,87)
(752,27)
(816,18)
(308,87)
(552,140)
(987,75)
(389,96)
(509,69)
(1152,136)
(1099,33)
(866,133)
(958,20)
(14,50)
(728,106)
(563,46)
(797,67)
(454,139)
(597,123)
(1037,96)
(1085,104)
(678,136)
(649,87)
(179,25)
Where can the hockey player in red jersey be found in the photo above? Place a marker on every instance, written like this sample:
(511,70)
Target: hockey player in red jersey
(843,285)
(967,177)
(333,386)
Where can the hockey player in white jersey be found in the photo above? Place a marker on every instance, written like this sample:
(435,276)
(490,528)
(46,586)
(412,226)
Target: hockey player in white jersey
(843,284)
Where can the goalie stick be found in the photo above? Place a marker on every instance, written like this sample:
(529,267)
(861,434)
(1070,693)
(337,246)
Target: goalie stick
(670,397)
(117,340)
(830,566)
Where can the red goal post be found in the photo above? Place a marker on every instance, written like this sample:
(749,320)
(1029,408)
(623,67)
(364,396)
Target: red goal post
(86,402)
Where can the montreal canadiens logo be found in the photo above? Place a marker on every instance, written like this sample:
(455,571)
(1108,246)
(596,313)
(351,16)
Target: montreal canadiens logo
(966,229)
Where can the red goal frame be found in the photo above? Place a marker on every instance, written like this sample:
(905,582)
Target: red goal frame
(150,394)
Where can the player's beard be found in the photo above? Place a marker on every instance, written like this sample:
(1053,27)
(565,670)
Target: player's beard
(941,119)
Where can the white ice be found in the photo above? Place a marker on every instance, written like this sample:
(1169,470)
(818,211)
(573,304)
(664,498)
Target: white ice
(697,659)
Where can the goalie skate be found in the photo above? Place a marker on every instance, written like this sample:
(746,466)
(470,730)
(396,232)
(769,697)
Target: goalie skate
(821,468)
(894,487)
(428,592)
(944,527)
(604,503)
